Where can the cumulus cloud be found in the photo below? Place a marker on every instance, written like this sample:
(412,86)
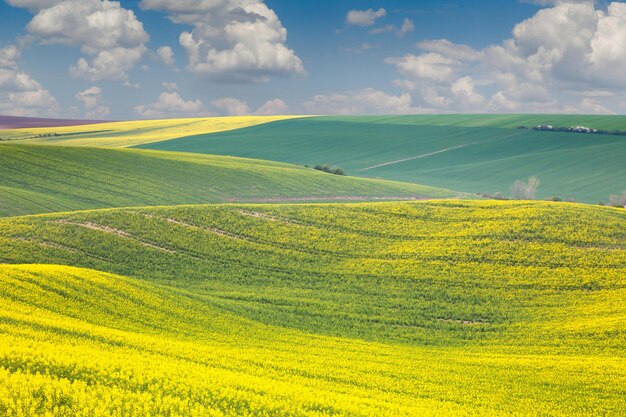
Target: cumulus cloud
(231,107)
(20,95)
(232,40)
(407,27)
(33,5)
(166,55)
(171,104)
(273,108)
(91,99)
(9,56)
(364,17)
(364,101)
(111,64)
(111,37)
(450,50)
(571,46)
(430,66)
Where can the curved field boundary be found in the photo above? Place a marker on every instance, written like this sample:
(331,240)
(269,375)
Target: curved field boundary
(135,132)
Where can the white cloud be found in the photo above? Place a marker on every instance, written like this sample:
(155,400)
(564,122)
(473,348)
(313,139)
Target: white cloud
(111,36)
(171,104)
(273,108)
(551,58)
(20,95)
(111,64)
(383,29)
(169,86)
(365,101)
(464,93)
(91,99)
(33,5)
(166,55)
(231,107)
(429,66)
(407,27)
(232,40)
(589,106)
(9,56)
(450,50)
(364,17)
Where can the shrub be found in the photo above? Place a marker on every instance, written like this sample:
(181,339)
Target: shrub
(554,198)
(327,168)
(525,190)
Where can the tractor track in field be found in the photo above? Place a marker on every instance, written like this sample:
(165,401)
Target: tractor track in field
(414,157)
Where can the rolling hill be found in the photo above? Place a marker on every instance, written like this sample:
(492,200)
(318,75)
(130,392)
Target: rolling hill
(421,308)
(478,154)
(39,179)
(134,132)
(470,153)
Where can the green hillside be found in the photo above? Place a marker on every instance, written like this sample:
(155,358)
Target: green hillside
(38,179)
(506,121)
(471,153)
(421,308)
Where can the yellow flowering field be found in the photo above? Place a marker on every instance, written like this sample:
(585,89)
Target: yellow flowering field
(134,132)
(455,308)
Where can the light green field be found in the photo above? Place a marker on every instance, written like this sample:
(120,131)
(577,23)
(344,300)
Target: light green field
(38,179)
(470,153)
(422,308)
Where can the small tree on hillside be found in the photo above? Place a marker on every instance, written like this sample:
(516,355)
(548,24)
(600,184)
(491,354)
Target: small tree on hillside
(525,190)
(618,200)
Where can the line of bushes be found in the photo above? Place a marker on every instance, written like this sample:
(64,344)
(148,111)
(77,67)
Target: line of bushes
(575,129)
(329,169)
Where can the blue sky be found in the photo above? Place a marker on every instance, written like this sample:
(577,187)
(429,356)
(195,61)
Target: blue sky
(88,58)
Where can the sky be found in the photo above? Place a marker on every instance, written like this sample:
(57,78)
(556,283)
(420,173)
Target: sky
(183,58)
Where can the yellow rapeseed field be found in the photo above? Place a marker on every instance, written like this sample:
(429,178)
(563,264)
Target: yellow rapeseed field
(457,308)
(135,132)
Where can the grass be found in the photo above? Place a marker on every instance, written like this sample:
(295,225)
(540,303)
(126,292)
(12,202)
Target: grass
(134,132)
(477,154)
(38,179)
(505,121)
(422,308)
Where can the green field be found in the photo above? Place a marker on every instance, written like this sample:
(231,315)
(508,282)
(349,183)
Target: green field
(38,179)
(477,154)
(413,308)
(506,121)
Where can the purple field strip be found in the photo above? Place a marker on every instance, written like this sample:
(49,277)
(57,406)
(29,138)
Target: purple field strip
(14,122)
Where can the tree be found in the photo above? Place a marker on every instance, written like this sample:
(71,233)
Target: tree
(618,200)
(525,190)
